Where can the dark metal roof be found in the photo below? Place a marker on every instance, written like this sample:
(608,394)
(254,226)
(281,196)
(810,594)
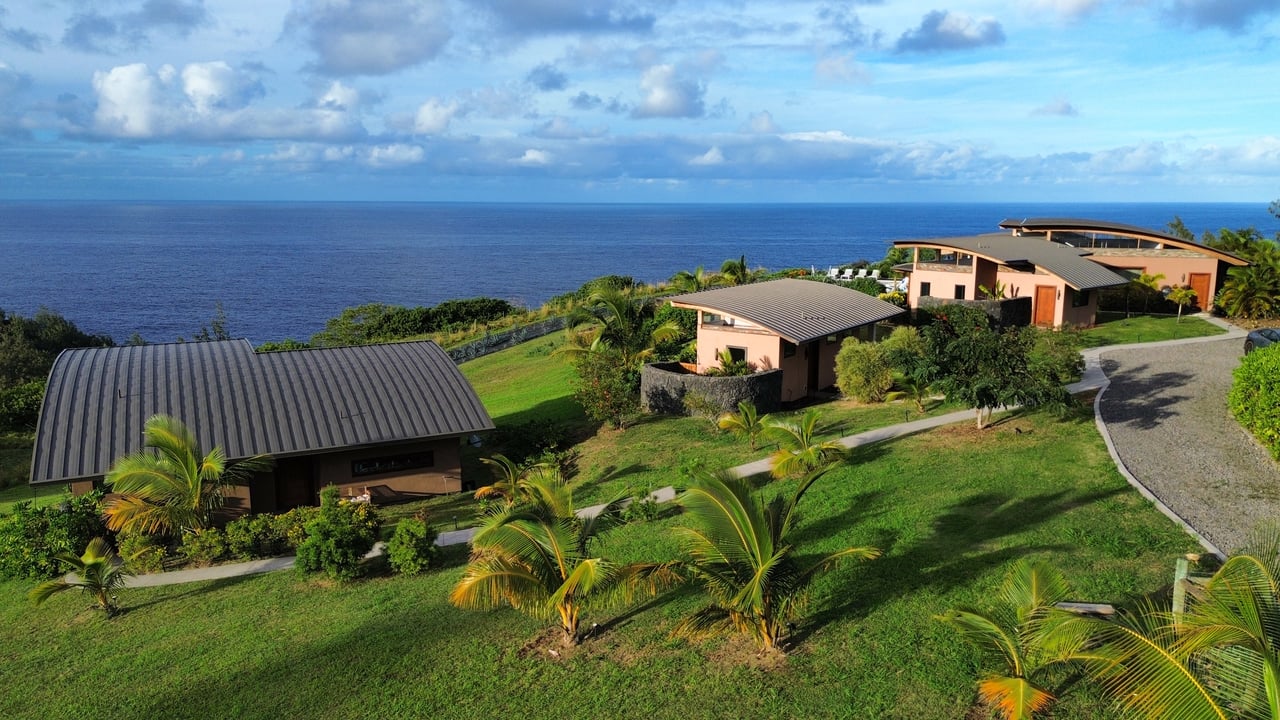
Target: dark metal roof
(1068,263)
(797,310)
(1113,228)
(279,403)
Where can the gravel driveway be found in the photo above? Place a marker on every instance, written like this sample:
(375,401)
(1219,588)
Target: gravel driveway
(1166,411)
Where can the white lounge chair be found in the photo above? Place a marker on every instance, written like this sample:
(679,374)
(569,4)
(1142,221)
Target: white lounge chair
(847,274)
(833,273)
(875,274)
(862,272)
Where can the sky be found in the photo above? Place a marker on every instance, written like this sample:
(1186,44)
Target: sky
(640,100)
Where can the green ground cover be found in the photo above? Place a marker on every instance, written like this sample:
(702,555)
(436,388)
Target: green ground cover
(1114,328)
(526,383)
(15,458)
(951,508)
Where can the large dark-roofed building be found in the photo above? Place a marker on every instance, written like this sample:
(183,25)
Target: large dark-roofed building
(387,418)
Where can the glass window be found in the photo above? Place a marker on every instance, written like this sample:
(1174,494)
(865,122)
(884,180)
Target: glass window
(737,354)
(959,292)
(925,288)
(393,463)
(1079,298)
(788,349)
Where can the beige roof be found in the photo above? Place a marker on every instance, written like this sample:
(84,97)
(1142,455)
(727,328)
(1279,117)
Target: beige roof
(797,310)
(1082,225)
(1070,264)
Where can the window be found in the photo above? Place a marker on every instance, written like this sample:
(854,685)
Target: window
(393,463)
(788,349)
(959,292)
(710,318)
(1079,298)
(925,288)
(737,354)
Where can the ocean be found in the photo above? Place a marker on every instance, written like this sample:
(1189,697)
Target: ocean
(281,269)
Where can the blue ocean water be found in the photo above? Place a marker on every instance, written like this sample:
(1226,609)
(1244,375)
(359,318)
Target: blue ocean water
(281,269)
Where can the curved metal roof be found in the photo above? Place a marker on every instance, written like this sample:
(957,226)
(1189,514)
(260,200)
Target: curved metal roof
(1070,264)
(1113,228)
(797,310)
(279,403)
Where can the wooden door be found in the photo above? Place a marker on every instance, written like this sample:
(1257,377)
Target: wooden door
(812,352)
(1046,304)
(1200,283)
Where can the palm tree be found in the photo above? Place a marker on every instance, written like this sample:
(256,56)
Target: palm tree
(1183,295)
(743,560)
(1147,284)
(98,572)
(746,422)
(1218,659)
(173,489)
(699,279)
(798,450)
(536,557)
(1251,291)
(619,323)
(915,387)
(1021,634)
(735,272)
(511,481)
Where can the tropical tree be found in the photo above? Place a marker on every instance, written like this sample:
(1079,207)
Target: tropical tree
(742,558)
(736,272)
(799,451)
(1022,635)
(699,279)
(747,422)
(1251,291)
(173,488)
(511,481)
(1220,658)
(98,572)
(537,557)
(619,321)
(1182,296)
(1147,284)
(914,387)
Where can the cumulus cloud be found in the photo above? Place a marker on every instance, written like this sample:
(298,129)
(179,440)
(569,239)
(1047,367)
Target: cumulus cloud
(1259,156)
(711,157)
(1060,107)
(206,101)
(849,29)
(393,155)
(433,116)
(113,33)
(1066,9)
(547,78)
(537,17)
(943,30)
(587,101)
(666,94)
(371,37)
(21,37)
(840,68)
(1230,15)
(560,128)
(534,158)
(339,96)
(761,123)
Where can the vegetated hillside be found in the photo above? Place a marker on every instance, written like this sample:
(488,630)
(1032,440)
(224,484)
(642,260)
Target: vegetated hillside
(950,508)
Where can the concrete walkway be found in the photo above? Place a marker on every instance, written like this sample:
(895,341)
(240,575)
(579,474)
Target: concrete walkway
(1093,378)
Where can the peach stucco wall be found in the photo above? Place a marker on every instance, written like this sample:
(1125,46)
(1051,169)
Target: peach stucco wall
(1017,284)
(763,348)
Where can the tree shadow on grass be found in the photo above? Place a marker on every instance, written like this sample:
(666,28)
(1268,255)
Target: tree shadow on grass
(1139,398)
(195,589)
(964,543)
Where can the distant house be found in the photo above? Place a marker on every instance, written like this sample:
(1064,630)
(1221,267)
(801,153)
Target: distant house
(792,325)
(1059,264)
(386,419)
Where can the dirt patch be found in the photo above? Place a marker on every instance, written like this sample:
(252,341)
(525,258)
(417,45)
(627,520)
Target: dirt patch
(742,651)
(548,645)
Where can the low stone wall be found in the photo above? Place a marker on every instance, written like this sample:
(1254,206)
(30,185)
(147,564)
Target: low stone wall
(664,385)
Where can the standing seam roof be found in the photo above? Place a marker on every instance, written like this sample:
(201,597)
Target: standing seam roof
(1070,264)
(280,403)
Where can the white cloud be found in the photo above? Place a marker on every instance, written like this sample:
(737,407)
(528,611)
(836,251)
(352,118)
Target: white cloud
(339,97)
(942,30)
(371,37)
(128,97)
(1066,9)
(393,155)
(215,85)
(562,128)
(819,136)
(1060,107)
(433,116)
(841,68)
(761,123)
(667,95)
(710,157)
(534,158)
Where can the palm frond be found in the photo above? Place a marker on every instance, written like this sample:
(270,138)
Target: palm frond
(1014,698)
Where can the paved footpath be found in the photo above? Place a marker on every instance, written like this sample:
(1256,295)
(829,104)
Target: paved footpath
(1093,378)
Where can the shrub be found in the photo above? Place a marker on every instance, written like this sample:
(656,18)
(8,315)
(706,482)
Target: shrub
(904,348)
(866,286)
(20,405)
(141,553)
(1254,398)
(204,547)
(642,508)
(254,536)
(31,537)
(338,538)
(412,549)
(292,526)
(608,388)
(1056,354)
(528,439)
(863,371)
(699,404)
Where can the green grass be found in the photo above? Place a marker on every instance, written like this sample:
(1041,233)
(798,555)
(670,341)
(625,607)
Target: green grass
(1115,329)
(525,383)
(951,508)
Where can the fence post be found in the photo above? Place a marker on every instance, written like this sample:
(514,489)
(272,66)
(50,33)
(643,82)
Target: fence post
(1180,589)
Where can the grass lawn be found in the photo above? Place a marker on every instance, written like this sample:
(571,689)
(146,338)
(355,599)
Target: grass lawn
(951,509)
(1114,328)
(526,383)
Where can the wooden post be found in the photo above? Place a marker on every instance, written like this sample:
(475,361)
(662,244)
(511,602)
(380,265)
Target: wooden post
(1180,589)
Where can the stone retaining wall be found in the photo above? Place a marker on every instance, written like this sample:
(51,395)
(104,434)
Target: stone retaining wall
(664,385)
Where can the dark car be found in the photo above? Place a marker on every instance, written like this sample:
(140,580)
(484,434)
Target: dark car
(1261,337)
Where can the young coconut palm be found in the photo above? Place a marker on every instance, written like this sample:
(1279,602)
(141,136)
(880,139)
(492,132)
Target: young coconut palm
(537,558)
(736,272)
(743,560)
(1023,633)
(510,479)
(744,423)
(1218,659)
(798,451)
(97,572)
(618,322)
(1183,296)
(173,489)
